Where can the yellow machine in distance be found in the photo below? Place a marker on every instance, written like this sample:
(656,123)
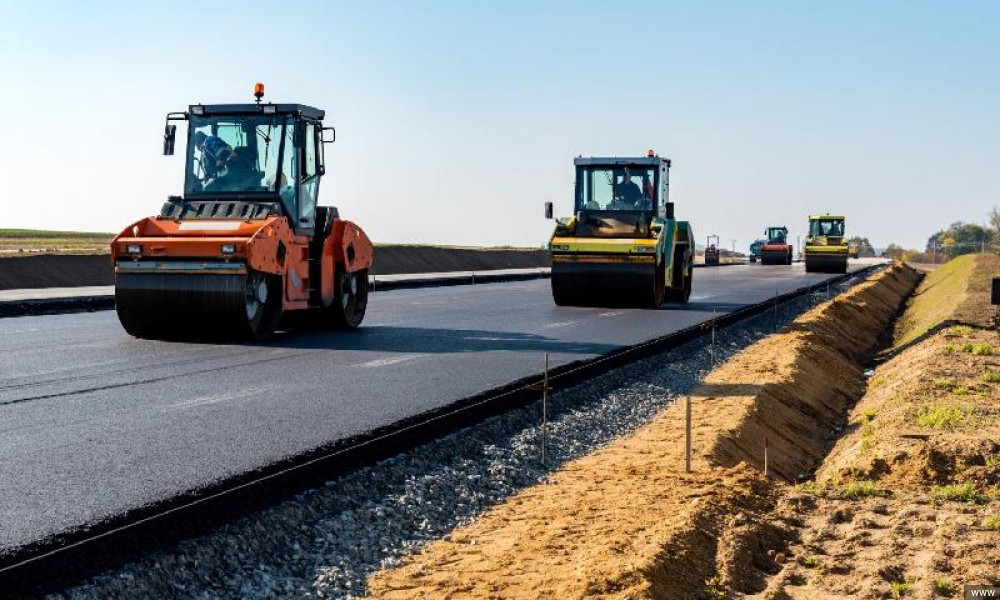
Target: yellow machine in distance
(826,246)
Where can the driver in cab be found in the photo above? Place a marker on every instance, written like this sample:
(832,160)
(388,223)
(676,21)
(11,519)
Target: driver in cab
(627,194)
(215,153)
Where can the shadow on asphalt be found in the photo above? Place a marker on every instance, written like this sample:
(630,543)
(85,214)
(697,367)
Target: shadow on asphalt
(426,340)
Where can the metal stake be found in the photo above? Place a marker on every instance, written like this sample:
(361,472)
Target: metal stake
(545,408)
(687,434)
(713,338)
(827,290)
(766,444)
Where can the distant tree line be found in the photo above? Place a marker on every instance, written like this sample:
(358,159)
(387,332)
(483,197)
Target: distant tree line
(955,240)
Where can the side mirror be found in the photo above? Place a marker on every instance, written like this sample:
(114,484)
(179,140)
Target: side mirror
(669,211)
(328,135)
(169,137)
(548,210)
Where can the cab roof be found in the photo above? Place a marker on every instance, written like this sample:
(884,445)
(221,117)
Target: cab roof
(296,110)
(620,160)
(826,217)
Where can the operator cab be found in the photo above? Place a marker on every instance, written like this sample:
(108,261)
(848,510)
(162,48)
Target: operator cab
(827,227)
(777,235)
(616,196)
(269,156)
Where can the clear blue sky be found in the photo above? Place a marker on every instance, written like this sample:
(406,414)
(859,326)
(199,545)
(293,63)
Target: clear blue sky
(457,120)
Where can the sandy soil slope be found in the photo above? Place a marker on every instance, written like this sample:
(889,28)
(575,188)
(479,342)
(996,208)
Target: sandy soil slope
(908,501)
(627,522)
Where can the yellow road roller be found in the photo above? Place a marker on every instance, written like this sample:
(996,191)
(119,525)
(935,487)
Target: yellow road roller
(826,247)
(622,246)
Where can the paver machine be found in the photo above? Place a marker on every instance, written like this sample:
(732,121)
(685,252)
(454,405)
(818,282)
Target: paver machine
(246,242)
(712,250)
(623,246)
(826,247)
(777,250)
(755,250)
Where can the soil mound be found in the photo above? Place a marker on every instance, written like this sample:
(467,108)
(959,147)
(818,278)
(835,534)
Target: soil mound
(627,522)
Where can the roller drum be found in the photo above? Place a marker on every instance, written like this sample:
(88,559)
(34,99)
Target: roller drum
(605,284)
(176,305)
(826,263)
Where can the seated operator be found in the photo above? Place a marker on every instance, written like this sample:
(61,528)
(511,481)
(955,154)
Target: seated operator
(627,194)
(215,153)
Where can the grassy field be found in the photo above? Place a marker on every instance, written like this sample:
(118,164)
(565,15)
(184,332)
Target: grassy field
(38,241)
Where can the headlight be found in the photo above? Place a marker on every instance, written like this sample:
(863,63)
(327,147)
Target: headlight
(133,249)
(228,248)
(645,249)
(197,110)
(560,247)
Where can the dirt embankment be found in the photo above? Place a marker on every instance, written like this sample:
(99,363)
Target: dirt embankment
(627,522)
(908,501)
(68,270)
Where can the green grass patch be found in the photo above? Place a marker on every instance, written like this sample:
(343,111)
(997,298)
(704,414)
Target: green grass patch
(991,376)
(992,522)
(957,492)
(860,489)
(984,349)
(943,587)
(941,416)
(811,562)
(900,588)
(992,460)
(935,299)
(960,329)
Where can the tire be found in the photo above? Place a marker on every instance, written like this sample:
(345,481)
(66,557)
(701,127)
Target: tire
(350,299)
(681,294)
(659,287)
(262,304)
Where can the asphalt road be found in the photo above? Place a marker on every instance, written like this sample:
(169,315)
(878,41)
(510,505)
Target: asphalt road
(94,422)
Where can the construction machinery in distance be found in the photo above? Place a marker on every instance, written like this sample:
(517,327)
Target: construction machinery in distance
(826,247)
(712,251)
(776,250)
(754,253)
(246,242)
(623,246)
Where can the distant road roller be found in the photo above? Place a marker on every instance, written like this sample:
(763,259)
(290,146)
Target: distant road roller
(246,242)
(712,253)
(776,250)
(826,247)
(623,246)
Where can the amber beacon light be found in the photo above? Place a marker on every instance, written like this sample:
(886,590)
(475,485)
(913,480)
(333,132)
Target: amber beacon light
(258,91)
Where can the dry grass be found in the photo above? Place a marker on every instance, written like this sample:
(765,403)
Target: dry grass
(36,241)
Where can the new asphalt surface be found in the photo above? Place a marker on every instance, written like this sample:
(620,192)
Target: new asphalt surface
(94,422)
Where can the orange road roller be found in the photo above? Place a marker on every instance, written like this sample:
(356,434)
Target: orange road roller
(246,243)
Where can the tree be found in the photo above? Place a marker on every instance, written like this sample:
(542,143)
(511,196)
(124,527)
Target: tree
(894,252)
(960,238)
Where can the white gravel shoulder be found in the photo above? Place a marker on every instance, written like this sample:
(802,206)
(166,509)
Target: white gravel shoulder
(326,541)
